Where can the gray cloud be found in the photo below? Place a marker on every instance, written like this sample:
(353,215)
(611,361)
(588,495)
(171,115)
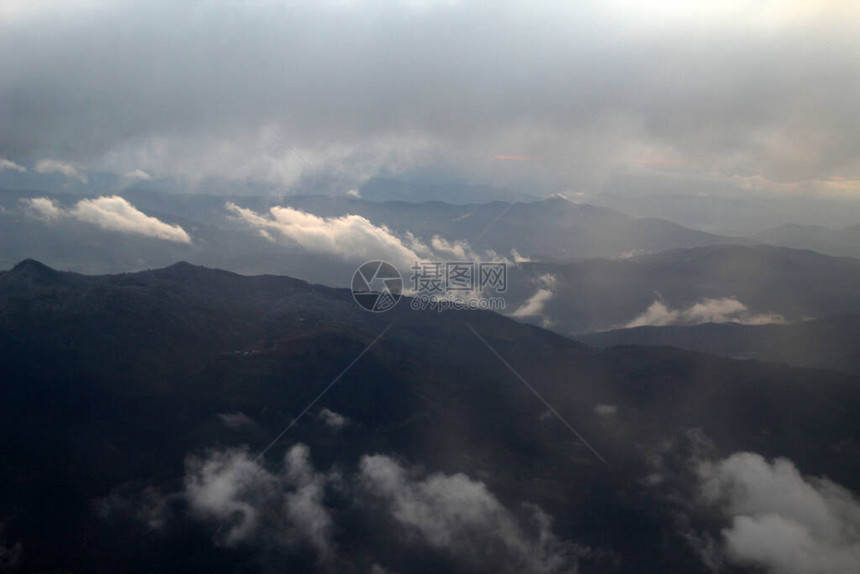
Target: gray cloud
(236,420)
(535,306)
(749,95)
(11,165)
(461,516)
(63,168)
(780,520)
(333,420)
(254,506)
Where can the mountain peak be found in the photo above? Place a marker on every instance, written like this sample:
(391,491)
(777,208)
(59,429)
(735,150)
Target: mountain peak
(34,268)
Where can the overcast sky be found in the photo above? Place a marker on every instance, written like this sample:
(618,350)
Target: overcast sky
(757,95)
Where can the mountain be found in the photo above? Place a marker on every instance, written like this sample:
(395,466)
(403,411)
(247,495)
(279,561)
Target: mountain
(405,441)
(770,283)
(828,343)
(844,242)
(553,229)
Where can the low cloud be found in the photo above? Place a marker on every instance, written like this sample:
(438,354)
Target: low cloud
(295,509)
(780,520)
(333,420)
(138,175)
(112,213)
(6,164)
(725,310)
(10,553)
(43,208)
(350,237)
(535,305)
(606,410)
(456,514)
(65,169)
(236,420)
(253,506)
(149,506)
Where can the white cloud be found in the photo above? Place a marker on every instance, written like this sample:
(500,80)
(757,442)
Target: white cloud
(138,175)
(780,520)
(535,305)
(333,419)
(252,505)
(725,310)
(236,420)
(459,515)
(353,193)
(7,164)
(113,213)
(64,168)
(351,237)
(43,208)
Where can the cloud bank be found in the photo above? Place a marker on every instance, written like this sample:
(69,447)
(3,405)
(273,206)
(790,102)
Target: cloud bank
(711,92)
(351,237)
(112,213)
(725,310)
(780,520)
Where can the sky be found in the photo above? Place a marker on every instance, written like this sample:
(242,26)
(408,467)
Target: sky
(750,97)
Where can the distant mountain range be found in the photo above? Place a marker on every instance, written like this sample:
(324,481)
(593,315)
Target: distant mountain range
(828,343)
(843,242)
(126,399)
(554,230)
(772,283)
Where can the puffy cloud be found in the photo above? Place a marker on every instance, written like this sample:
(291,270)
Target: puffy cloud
(461,516)
(113,213)
(43,208)
(63,168)
(780,520)
(535,305)
(252,505)
(11,165)
(725,310)
(350,237)
(333,419)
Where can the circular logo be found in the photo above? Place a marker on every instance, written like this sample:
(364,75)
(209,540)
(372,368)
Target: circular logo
(377,286)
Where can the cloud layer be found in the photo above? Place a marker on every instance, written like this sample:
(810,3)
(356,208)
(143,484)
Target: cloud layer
(725,310)
(351,237)
(112,213)
(746,94)
(296,508)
